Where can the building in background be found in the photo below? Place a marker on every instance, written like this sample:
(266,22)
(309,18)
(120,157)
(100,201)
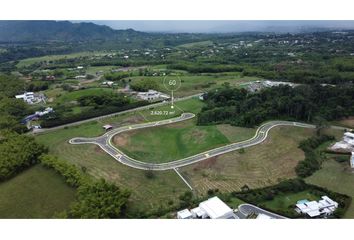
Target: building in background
(213,208)
(322,208)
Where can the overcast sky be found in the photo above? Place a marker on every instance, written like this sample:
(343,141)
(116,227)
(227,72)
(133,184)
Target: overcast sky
(224,26)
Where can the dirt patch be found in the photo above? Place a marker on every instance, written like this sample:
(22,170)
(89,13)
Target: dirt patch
(207,163)
(348,122)
(98,149)
(121,139)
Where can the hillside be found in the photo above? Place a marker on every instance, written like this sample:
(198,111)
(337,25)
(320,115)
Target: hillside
(34,31)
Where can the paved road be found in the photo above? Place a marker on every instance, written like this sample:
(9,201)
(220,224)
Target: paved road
(247,209)
(36,131)
(105,142)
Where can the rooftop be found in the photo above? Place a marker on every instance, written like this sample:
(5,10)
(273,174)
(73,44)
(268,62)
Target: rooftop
(215,208)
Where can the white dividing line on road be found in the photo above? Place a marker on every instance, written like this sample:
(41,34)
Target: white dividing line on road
(184,180)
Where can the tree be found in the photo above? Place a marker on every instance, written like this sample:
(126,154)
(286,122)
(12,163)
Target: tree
(99,200)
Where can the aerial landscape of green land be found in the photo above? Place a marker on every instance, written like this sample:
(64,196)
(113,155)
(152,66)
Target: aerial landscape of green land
(233,84)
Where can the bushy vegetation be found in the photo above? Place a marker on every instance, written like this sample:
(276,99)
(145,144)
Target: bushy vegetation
(301,103)
(94,199)
(17,152)
(103,100)
(145,85)
(116,76)
(260,196)
(313,159)
(99,200)
(72,175)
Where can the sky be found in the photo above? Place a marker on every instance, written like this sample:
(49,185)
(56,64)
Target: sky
(209,26)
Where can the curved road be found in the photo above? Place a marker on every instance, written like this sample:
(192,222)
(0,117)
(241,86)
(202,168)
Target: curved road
(105,142)
(247,209)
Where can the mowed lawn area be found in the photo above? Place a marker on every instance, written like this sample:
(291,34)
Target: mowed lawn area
(337,177)
(262,165)
(35,193)
(176,141)
(287,201)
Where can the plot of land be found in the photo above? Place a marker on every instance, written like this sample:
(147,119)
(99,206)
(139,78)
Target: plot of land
(171,142)
(337,177)
(35,193)
(147,193)
(262,165)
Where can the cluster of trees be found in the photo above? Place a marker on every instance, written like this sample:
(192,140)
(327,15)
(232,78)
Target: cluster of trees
(100,200)
(72,175)
(106,100)
(261,195)
(145,85)
(116,76)
(313,160)
(94,199)
(11,110)
(205,68)
(17,152)
(301,103)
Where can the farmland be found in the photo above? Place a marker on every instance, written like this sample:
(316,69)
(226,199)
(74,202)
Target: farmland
(256,167)
(35,193)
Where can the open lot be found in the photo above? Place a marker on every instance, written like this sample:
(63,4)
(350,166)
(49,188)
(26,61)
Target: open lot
(171,142)
(262,165)
(337,177)
(147,193)
(178,140)
(35,193)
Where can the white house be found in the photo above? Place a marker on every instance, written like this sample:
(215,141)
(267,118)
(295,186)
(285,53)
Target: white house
(323,207)
(80,76)
(212,208)
(27,97)
(349,138)
(262,216)
(151,95)
(46,111)
(184,214)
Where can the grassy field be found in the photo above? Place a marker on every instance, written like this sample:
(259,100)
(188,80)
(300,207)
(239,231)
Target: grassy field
(281,202)
(193,84)
(35,193)
(347,122)
(171,142)
(337,177)
(179,140)
(262,165)
(196,44)
(147,193)
(74,95)
(29,61)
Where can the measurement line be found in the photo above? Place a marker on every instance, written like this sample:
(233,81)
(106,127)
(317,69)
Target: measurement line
(184,180)
(172,99)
